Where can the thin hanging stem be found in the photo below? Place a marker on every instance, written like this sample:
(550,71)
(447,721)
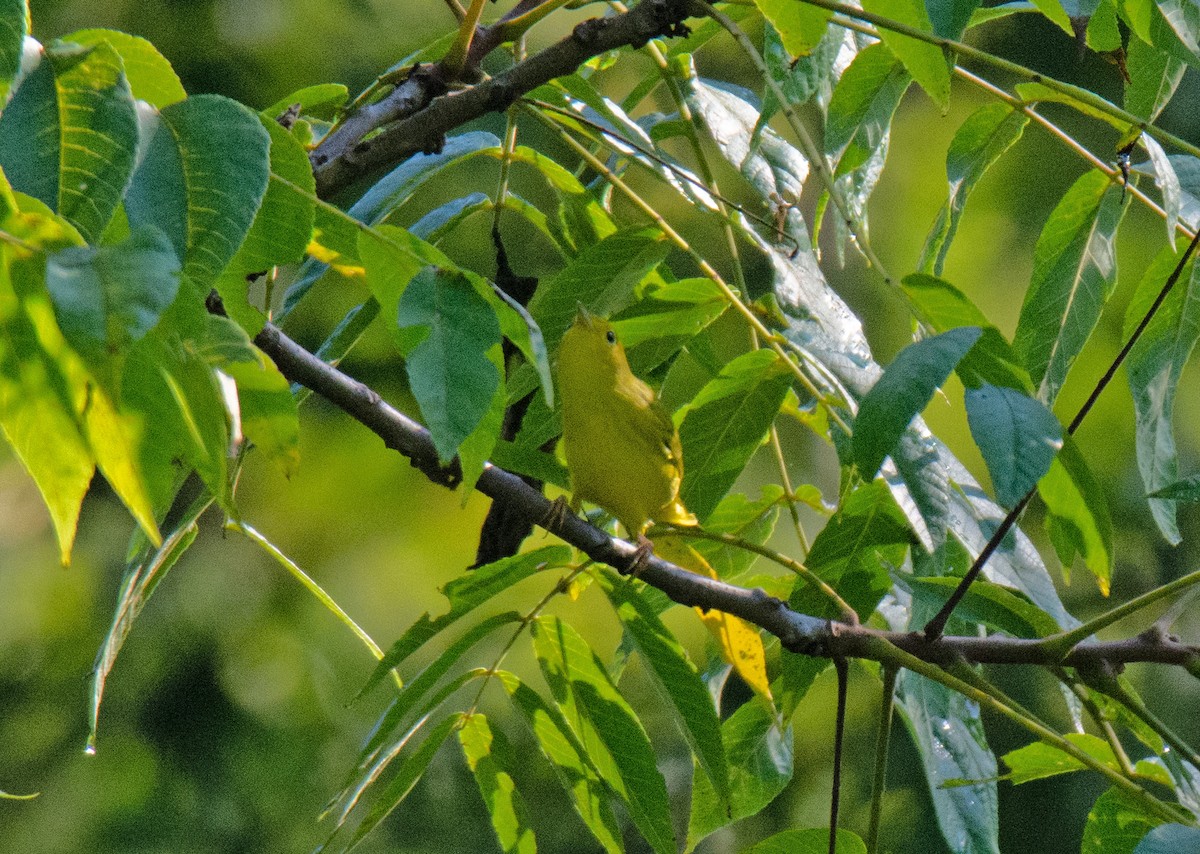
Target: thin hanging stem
(882,743)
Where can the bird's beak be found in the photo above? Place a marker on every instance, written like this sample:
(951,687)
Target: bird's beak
(583,317)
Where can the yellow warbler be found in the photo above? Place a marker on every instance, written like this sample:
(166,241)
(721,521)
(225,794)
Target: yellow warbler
(622,448)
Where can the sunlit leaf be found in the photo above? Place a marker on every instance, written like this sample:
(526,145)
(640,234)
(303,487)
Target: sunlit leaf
(603,277)
(150,76)
(814,841)
(799,25)
(979,142)
(676,677)
(1116,824)
(70,133)
(1040,760)
(1154,76)
(488,755)
(14,23)
(942,307)
(1074,273)
(571,761)
(578,678)
(1153,368)
(925,62)
(1077,514)
(725,423)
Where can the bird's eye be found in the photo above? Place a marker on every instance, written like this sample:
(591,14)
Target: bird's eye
(611,336)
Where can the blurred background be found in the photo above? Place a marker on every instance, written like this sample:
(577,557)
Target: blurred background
(228,720)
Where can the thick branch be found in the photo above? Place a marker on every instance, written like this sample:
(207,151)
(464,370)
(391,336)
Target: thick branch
(344,159)
(800,633)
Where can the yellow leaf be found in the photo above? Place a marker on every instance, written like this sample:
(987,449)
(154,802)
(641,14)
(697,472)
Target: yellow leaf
(740,642)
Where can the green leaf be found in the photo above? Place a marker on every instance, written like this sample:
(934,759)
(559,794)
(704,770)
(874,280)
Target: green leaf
(950,17)
(410,773)
(942,307)
(991,605)
(1184,19)
(321,101)
(14,26)
(725,423)
(174,392)
(36,402)
(1017,435)
(203,190)
(1074,272)
(1103,31)
(1039,760)
(108,297)
(399,185)
(904,390)
(603,277)
(1187,489)
(1154,75)
(488,754)
(654,329)
(801,79)
(862,106)
(465,594)
(1053,9)
(70,133)
(580,683)
(269,413)
(752,521)
(1167,182)
(855,551)
(799,25)
(977,145)
(814,841)
(150,75)
(760,766)
(677,679)
(1153,368)
(768,162)
(925,62)
(571,762)
(281,230)
(142,576)
(1079,99)
(1077,514)
(416,690)
(1169,839)
(445,332)
(951,741)
(1116,824)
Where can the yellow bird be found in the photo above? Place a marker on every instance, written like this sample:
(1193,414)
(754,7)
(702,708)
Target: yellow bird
(621,446)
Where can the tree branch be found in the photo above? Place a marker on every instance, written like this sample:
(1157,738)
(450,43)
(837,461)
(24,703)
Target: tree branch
(801,633)
(418,115)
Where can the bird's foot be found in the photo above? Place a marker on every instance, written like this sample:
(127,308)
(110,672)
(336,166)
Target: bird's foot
(641,556)
(559,510)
